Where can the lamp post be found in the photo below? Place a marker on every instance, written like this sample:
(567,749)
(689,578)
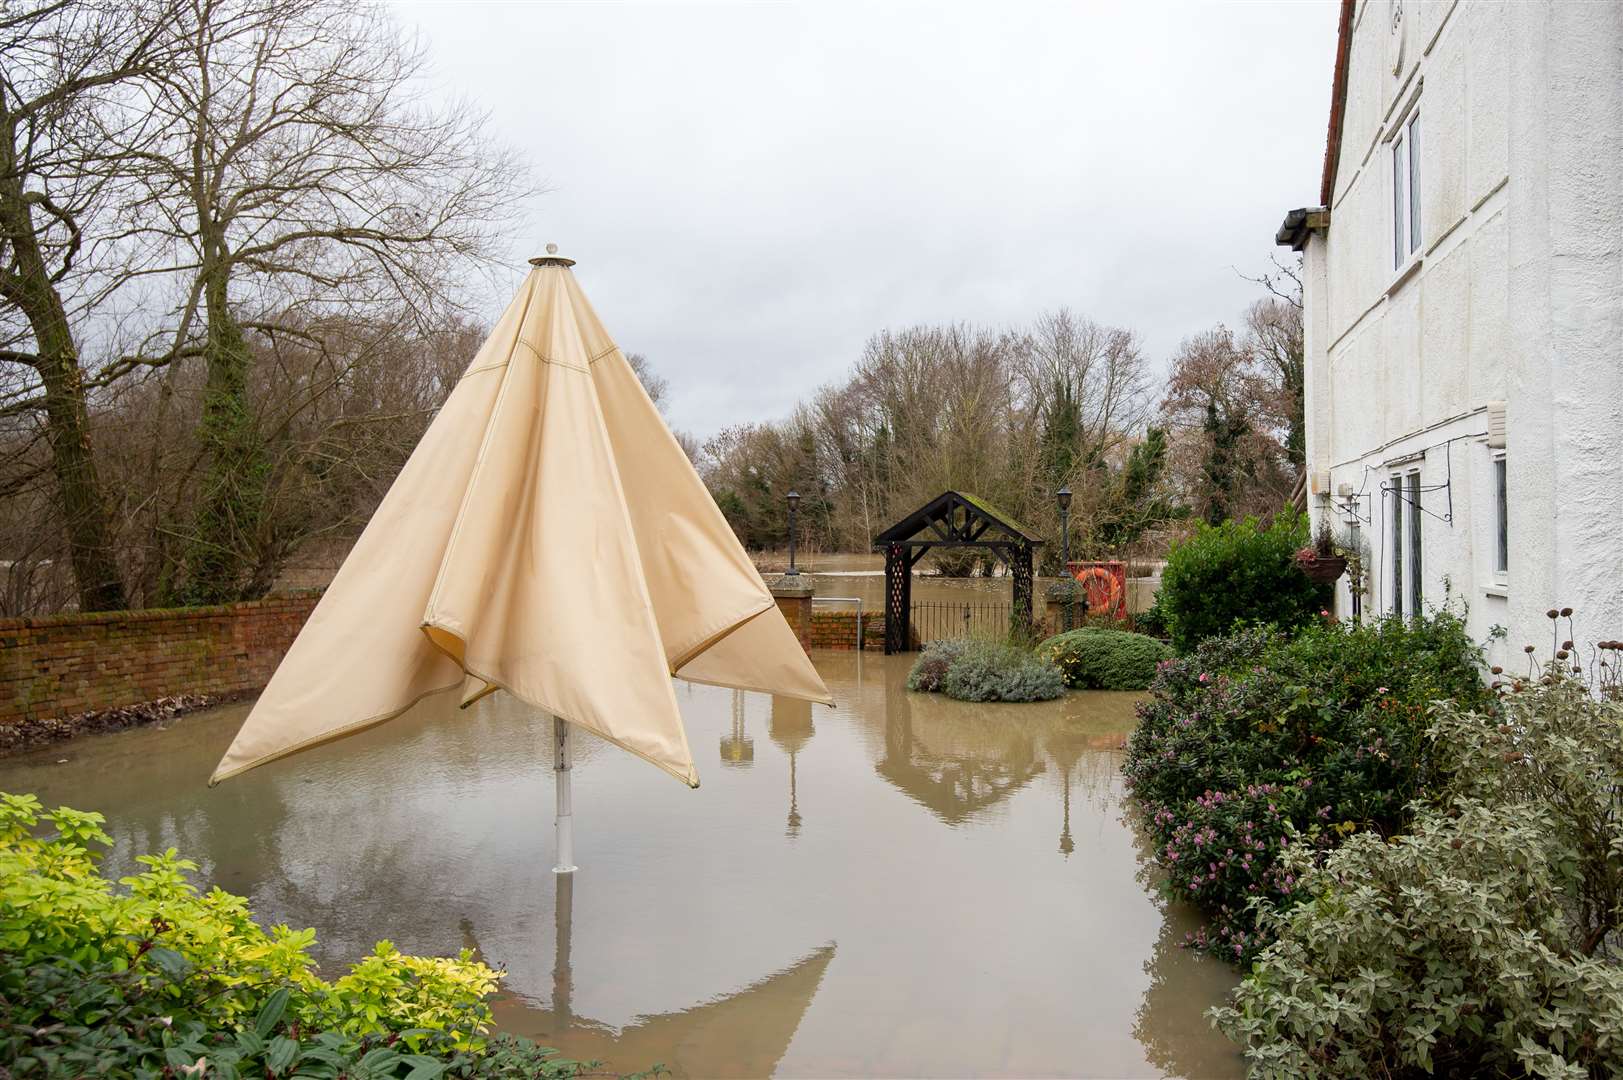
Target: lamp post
(793,498)
(1063,497)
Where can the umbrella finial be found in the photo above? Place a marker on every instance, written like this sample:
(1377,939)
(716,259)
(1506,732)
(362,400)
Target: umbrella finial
(551,258)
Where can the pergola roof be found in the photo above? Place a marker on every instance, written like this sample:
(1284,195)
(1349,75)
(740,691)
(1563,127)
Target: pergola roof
(960,519)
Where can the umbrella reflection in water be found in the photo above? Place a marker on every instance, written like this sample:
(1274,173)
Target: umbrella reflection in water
(742,1033)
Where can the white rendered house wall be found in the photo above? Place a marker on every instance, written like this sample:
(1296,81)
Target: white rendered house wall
(1513,293)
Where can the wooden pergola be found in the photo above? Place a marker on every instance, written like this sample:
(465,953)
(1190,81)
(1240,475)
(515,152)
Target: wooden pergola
(951,519)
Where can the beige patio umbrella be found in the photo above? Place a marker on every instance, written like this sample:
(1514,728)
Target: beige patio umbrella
(547,538)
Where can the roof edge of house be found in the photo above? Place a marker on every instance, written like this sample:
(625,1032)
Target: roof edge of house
(1338,103)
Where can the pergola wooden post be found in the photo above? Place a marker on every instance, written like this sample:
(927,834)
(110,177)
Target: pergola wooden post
(953,519)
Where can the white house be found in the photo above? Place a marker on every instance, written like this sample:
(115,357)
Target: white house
(1463,309)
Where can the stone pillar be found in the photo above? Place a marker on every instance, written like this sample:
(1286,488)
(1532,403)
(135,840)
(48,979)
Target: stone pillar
(1058,594)
(794,597)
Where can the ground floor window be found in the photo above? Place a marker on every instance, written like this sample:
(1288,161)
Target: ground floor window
(1405,552)
(1413,480)
(1501,509)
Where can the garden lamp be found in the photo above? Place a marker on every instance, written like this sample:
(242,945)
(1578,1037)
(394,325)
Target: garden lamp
(793,499)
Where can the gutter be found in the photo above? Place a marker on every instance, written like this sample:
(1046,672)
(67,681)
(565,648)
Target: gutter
(1301,223)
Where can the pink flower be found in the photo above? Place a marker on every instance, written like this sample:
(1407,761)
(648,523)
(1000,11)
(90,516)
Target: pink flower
(1205,677)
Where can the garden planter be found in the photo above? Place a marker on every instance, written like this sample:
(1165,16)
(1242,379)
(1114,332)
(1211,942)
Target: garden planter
(1324,569)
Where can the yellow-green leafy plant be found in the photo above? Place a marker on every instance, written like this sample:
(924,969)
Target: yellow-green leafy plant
(55,904)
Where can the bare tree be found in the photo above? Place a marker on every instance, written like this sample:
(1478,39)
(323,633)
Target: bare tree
(300,175)
(1274,336)
(653,383)
(1223,408)
(1085,383)
(63,66)
(339,407)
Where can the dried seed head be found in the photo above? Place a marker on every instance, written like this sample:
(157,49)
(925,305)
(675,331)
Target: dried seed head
(1562,654)
(1527,649)
(1566,644)
(1566,613)
(1497,670)
(1552,614)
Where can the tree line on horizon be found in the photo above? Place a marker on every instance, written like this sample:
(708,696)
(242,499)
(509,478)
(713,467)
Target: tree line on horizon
(1014,415)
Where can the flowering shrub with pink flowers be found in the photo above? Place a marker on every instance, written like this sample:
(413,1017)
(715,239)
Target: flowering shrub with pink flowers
(1260,741)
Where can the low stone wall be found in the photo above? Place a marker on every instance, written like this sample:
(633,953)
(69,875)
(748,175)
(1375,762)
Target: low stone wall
(63,665)
(838,630)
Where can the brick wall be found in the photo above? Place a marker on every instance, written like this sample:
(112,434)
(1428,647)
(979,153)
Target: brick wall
(63,665)
(797,612)
(838,630)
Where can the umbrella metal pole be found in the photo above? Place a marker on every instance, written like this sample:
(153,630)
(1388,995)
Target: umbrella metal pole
(564,826)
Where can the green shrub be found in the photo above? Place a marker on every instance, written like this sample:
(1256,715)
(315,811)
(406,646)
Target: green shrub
(1152,621)
(1094,659)
(1486,942)
(60,1018)
(931,666)
(55,902)
(1238,573)
(1259,742)
(148,976)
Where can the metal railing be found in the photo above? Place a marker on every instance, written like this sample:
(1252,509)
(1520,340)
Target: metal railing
(935,620)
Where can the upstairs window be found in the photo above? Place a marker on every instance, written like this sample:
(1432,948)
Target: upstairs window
(1406,191)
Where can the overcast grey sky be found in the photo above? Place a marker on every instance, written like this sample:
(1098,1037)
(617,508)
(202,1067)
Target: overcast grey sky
(752,190)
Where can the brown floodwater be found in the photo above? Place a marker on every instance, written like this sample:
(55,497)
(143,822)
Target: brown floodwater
(899,886)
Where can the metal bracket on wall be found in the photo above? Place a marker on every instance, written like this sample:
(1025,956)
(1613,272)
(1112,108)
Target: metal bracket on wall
(1447,486)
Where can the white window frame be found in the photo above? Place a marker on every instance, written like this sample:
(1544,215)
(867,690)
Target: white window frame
(1501,518)
(1405,552)
(1407,177)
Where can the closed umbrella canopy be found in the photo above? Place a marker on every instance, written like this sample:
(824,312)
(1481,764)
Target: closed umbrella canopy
(548,537)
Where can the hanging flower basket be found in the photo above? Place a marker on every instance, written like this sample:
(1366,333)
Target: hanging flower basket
(1321,569)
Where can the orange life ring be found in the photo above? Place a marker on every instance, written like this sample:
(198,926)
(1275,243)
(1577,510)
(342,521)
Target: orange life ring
(1089,576)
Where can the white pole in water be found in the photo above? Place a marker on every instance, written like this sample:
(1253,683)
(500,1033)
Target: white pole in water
(565,826)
